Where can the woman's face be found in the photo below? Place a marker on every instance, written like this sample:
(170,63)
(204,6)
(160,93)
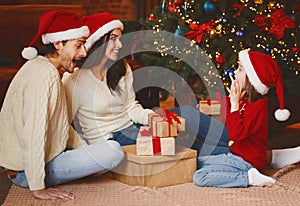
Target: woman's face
(114,45)
(240,75)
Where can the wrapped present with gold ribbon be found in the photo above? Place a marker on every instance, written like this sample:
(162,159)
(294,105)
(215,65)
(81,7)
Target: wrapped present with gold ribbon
(146,144)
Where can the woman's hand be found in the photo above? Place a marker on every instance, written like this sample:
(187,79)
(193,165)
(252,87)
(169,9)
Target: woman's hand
(52,193)
(236,93)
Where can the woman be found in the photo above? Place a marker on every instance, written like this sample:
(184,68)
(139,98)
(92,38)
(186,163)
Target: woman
(103,100)
(115,114)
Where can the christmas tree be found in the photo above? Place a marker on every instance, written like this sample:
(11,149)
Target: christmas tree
(222,28)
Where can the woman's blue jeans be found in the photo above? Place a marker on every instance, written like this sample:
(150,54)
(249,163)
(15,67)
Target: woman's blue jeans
(74,164)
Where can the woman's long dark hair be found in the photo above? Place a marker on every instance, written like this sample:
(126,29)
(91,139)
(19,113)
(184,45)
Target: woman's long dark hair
(116,70)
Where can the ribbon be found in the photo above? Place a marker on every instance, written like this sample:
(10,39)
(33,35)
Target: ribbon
(200,32)
(146,132)
(280,21)
(170,116)
(156,145)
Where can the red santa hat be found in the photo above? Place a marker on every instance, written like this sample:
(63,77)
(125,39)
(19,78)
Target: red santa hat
(54,26)
(99,25)
(263,71)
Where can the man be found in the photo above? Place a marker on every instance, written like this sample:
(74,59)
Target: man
(34,130)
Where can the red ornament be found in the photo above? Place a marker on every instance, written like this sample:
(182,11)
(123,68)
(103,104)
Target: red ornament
(220,59)
(172,7)
(295,49)
(280,22)
(151,17)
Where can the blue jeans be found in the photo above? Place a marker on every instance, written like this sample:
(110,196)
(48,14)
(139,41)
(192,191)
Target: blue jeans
(224,170)
(126,136)
(217,166)
(74,164)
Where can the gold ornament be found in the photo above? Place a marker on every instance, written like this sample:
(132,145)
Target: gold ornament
(271,5)
(258,1)
(219,27)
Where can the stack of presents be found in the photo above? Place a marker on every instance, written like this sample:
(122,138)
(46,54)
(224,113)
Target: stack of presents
(156,160)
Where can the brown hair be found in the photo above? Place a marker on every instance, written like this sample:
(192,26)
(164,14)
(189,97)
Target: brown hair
(49,49)
(251,93)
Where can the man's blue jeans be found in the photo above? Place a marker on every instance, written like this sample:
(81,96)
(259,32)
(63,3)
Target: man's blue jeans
(74,164)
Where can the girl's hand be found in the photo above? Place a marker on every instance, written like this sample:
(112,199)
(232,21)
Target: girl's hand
(236,93)
(52,193)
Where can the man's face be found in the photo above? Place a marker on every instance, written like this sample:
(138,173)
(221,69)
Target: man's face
(70,52)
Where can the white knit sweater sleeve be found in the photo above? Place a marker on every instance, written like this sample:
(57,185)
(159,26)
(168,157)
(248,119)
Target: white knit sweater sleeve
(40,97)
(135,111)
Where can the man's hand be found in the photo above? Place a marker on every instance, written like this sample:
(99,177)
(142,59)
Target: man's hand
(52,193)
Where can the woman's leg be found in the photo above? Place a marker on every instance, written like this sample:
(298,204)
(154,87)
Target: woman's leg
(78,163)
(224,170)
(126,136)
(203,133)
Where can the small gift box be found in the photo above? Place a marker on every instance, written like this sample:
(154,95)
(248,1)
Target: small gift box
(210,107)
(166,124)
(148,145)
(164,129)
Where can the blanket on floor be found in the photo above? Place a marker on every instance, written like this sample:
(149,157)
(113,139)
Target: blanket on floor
(107,191)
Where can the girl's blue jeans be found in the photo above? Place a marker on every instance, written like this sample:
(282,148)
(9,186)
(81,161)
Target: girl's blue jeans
(74,164)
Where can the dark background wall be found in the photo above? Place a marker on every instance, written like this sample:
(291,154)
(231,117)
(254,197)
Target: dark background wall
(122,9)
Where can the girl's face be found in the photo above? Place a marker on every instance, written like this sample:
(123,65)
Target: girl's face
(114,45)
(240,75)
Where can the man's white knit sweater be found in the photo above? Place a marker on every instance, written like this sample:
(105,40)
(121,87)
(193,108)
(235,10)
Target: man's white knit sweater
(34,123)
(99,110)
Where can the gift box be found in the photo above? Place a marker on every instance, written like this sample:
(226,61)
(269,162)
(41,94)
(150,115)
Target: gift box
(181,125)
(210,107)
(166,125)
(148,145)
(156,171)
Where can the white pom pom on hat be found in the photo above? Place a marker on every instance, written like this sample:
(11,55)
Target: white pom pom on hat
(29,53)
(54,26)
(282,114)
(263,71)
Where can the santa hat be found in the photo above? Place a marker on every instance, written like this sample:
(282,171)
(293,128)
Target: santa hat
(54,26)
(263,71)
(99,25)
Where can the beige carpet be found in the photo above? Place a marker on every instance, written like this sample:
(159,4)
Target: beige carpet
(106,191)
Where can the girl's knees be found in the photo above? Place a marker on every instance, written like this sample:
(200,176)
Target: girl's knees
(200,178)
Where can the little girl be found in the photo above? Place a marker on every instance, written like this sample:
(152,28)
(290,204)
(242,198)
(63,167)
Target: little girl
(247,125)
